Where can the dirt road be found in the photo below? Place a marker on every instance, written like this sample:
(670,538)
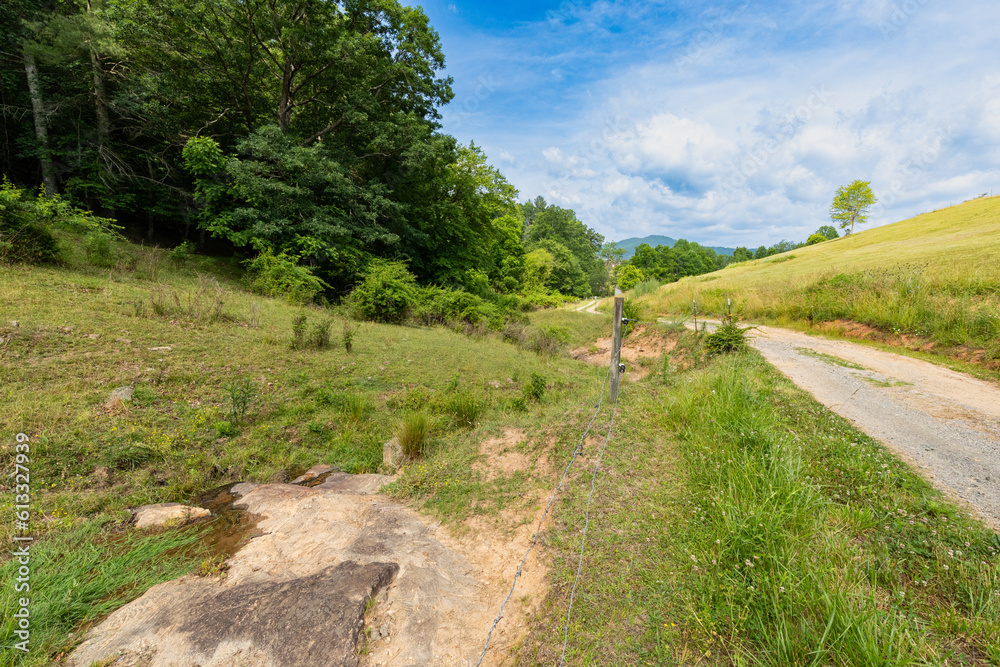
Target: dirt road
(944,423)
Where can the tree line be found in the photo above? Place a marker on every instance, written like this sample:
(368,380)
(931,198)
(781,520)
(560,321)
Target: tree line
(298,134)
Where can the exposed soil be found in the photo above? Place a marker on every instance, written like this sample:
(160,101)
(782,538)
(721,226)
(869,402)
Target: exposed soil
(643,343)
(944,423)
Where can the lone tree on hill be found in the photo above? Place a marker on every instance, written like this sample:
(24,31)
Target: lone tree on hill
(851,204)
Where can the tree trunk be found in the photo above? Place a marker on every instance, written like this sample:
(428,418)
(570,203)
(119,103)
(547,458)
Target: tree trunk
(41,126)
(286,101)
(100,98)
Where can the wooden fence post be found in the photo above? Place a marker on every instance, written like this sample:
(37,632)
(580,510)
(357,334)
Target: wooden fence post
(616,346)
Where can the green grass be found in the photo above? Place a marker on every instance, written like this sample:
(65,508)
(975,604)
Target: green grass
(934,279)
(830,359)
(737,522)
(230,400)
(81,574)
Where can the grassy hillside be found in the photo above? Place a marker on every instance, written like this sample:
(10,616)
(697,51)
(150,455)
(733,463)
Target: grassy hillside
(734,522)
(932,281)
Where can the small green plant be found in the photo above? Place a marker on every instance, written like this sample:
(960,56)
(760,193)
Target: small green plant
(347,335)
(452,385)
(100,249)
(632,310)
(668,374)
(324,397)
(519,404)
(225,429)
(412,433)
(213,566)
(387,293)
(299,332)
(281,275)
(183,252)
(357,405)
(465,409)
(240,394)
(728,338)
(319,337)
(535,389)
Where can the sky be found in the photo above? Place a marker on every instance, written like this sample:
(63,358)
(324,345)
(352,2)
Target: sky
(728,123)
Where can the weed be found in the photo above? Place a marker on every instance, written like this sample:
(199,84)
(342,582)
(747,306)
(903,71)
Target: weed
(727,338)
(465,410)
(240,394)
(412,434)
(182,253)
(213,566)
(535,389)
(830,359)
(226,429)
(357,405)
(299,332)
(347,335)
(320,336)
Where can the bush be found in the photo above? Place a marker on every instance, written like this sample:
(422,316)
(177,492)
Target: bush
(441,306)
(412,433)
(465,409)
(727,338)
(22,237)
(632,310)
(100,249)
(282,276)
(388,292)
(183,252)
(535,389)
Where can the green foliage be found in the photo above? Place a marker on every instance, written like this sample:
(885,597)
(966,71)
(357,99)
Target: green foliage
(534,390)
(829,231)
(182,253)
(281,275)
(412,433)
(629,276)
(632,310)
(816,238)
(645,287)
(225,429)
(387,292)
(727,338)
(347,335)
(851,204)
(465,409)
(100,249)
(241,394)
(317,337)
(441,306)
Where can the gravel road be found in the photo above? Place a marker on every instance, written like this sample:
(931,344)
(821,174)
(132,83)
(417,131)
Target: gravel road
(944,423)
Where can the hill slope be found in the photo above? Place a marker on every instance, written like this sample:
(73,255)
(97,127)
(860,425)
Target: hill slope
(631,244)
(931,281)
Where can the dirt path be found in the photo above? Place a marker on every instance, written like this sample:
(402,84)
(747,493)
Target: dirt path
(945,423)
(589,307)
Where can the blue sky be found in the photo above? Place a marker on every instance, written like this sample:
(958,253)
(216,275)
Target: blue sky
(732,122)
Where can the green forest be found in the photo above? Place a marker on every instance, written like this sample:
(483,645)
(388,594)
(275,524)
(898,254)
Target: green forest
(301,137)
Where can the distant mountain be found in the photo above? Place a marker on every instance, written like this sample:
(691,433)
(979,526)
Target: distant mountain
(631,244)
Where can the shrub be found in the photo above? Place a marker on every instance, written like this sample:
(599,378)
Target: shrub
(549,339)
(412,433)
(240,394)
(299,332)
(632,310)
(441,306)
(183,252)
(22,238)
(535,389)
(320,336)
(465,409)
(388,292)
(100,249)
(347,335)
(282,276)
(727,338)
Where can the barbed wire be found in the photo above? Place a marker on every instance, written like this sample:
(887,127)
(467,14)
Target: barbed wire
(534,538)
(586,525)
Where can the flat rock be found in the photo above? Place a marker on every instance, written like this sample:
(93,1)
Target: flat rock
(123,393)
(296,593)
(167,514)
(163,348)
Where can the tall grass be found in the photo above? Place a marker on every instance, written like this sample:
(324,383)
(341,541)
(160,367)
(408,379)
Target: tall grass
(412,434)
(763,530)
(935,277)
(80,576)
